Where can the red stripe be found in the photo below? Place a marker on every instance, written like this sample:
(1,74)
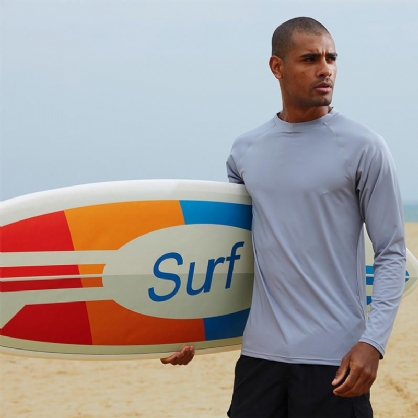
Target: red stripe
(40,285)
(64,323)
(28,271)
(41,233)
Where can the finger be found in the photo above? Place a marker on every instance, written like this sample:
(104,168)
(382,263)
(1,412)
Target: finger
(350,385)
(189,357)
(357,383)
(170,359)
(361,386)
(341,373)
(184,361)
(346,390)
(356,390)
(186,355)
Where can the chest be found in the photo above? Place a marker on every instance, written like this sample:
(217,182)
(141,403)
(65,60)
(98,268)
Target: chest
(294,165)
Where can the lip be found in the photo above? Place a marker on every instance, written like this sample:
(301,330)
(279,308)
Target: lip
(323,88)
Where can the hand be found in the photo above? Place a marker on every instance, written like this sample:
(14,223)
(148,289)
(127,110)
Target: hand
(182,358)
(357,372)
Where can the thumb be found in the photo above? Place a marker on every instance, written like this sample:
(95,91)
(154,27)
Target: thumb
(168,360)
(341,373)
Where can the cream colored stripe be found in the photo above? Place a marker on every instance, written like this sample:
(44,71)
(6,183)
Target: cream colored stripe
(55,258)
(12,302)
(57,276)
(115,352)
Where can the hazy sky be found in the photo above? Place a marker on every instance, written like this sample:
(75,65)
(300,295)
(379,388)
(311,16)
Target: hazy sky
(112,90)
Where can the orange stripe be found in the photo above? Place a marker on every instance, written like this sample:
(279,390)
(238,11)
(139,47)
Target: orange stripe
(91,268)
(112,324)
(110,226)
(92,282)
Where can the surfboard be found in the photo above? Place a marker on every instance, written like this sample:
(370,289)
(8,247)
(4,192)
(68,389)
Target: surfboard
(132,269)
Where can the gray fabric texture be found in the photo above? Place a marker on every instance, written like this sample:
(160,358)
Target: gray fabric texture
(313,186)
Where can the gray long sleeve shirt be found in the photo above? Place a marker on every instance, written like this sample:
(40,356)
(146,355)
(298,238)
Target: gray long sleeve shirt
(313,187)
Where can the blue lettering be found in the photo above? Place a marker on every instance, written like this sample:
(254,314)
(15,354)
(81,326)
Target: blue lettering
(208,279)
(210,270)
(231,259)
(166,276)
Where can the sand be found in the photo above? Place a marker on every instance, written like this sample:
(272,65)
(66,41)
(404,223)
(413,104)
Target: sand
(37,388)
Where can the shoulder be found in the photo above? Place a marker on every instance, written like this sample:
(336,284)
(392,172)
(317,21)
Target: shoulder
(244,141)
(366,151)
(355,134)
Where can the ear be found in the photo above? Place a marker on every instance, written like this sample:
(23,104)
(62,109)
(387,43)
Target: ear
(276,66)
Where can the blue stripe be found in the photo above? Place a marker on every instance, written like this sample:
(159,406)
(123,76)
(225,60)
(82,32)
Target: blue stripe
(369,280)
(226,326)
(370,275)
(368,300)
(369,270)
(217,213)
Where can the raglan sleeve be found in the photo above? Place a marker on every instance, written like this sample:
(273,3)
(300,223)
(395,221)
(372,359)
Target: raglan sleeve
(381,208)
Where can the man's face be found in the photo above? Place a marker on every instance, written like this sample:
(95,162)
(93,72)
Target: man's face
(307,75)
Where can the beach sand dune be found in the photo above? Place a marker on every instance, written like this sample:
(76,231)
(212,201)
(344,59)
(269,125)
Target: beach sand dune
(38,388)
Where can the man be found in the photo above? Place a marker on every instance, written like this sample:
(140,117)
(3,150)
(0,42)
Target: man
(315,177)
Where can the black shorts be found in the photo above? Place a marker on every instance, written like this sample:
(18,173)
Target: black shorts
(269,389)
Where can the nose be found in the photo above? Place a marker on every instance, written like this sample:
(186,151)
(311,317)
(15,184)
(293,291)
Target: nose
(325,68)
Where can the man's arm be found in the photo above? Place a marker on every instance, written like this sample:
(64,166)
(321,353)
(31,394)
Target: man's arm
(381,209)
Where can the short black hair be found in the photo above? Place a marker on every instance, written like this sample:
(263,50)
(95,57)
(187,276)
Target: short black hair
(282,40)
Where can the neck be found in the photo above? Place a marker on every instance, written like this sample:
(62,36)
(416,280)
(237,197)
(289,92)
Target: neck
(303,115)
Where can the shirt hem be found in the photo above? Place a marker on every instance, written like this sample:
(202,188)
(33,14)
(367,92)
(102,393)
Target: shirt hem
(293,360)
